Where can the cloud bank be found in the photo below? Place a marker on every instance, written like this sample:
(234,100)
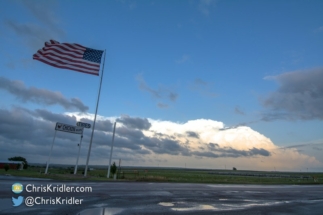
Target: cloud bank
(201,143)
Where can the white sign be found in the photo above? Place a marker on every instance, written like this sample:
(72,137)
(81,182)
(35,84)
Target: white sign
(68,128)
(84,125)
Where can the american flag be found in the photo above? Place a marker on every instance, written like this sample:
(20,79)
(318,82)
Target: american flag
(70,56)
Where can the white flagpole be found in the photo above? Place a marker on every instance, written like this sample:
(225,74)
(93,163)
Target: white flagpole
(114,130)
(96,111)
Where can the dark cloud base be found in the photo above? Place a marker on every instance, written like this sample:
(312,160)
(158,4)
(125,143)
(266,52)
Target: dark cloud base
(40,96)
(30,133)
(299,96)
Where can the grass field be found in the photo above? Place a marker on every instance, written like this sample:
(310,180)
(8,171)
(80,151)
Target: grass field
(174,175)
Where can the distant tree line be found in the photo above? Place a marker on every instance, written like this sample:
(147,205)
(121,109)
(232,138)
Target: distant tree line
(19,158)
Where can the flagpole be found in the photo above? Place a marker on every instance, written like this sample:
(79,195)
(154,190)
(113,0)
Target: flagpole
(96,111)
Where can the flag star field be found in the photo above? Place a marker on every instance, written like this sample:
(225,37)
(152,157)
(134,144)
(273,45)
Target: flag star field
(198,84)
(92,55)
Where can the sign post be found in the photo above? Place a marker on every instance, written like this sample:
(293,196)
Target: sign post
(83,125)
(78,155)
(50,153)
(114,130)
(65,128)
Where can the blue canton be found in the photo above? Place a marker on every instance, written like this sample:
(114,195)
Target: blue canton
(92,55)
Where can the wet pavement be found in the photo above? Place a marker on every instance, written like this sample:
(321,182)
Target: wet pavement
(109,198)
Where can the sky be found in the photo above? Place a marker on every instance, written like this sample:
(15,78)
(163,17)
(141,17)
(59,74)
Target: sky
(196,83)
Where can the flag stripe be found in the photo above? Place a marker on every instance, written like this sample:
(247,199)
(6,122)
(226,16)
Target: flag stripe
(75,45)
(66,59)
(44,60)
(58,62)
(61,51)
(67,46)
(70,56)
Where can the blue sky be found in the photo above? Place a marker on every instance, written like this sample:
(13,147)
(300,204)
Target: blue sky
(236,62)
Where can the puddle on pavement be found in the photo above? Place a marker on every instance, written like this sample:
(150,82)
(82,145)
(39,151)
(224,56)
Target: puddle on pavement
(166,204)
(199,207)
(261,204)
(254,192)
(112,211)
(223,207)
(303,201)
(231,206)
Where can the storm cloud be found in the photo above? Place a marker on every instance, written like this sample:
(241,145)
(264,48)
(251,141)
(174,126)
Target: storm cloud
(232,153)
(134,122)
(214,150)
(40,96)
(192,134)
(299,96)
(29,133)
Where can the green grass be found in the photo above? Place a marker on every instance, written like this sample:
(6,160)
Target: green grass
(170,175)
(191,176)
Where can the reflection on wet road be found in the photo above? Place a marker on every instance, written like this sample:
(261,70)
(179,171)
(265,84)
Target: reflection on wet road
(111,198)
(164,198)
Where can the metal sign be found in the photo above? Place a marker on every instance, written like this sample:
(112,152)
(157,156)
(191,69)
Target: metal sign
(83,125)
(68,128)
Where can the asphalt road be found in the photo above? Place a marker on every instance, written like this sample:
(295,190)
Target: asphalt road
(164,198)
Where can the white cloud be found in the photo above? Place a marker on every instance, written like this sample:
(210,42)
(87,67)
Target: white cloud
(206,5)
(183,59)
(210,131)
(89,116)
(239,139)
(319,29)
(199,125)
